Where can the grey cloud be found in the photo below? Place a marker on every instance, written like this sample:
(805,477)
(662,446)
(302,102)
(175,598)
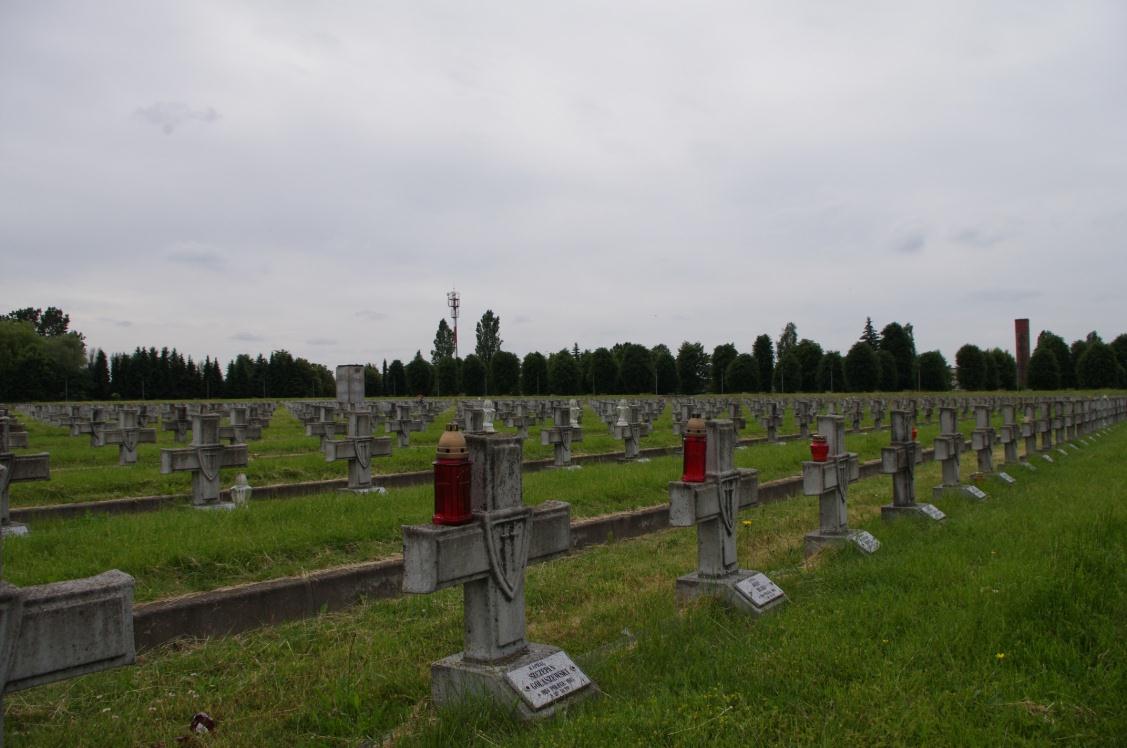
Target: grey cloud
(168,115)
(521,319)
(910,244)
(321,341)
(977,237)
(203,258)
(1002,295)
(371,314)
(116,322)
(248,337)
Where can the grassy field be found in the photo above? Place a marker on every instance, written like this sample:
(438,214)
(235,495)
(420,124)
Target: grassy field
(1002,625)
(181,550)
(80,472)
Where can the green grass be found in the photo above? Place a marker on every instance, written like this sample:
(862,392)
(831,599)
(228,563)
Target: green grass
(80,472)
(900,648)
(181,550)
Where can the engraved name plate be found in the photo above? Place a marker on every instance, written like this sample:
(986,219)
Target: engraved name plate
(759,589)
(932,511)
(976,492)
(865,541)
(1007,477)
(544,681)
(1062,452)
(1047,458)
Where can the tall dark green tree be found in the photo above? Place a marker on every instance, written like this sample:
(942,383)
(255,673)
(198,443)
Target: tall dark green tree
(1006,367)
(504,373)
(869,335)
(722,355)
(743,374)
(488,337)
(665,370)
(809,356)
(831,373)
(1044,371)
(1055,345)
(1119,345)
(563,373)
(443,342)
(473,375)
(534,374)
(788,374)
(603,373)
(897,340)
(970,368)
(935,375)
(764,354)
(100,376)
(888,378)
(373,381)
(1098,367)
(788,339)
(396,382)
(990,377)
(862,368)
(635,372)
(447,381)
(692,368)
(420,375)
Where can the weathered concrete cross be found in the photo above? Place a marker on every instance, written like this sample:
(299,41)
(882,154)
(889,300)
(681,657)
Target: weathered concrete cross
(17,468)
(487,558)
(714,506)
(829,480)
(179,422)
(204,458)
(403,424)
(982,440)
(562,434)
(772,421)
(630,428)
(899,460)
(126,436)
(359,447)
(948,450)
(240,430)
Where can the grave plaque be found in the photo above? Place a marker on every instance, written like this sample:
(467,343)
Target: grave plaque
(544,681)
(932,511)
(1047,458)
(759,589)
(976,492)
(1007,477)
(1062,452)
(866,542)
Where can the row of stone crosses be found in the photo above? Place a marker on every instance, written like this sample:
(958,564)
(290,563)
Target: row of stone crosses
(482,536)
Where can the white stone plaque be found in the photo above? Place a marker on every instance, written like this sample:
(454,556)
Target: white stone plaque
(544,681)
(932,511)
(1047,458)
(1028,466)
(1007,477)
(866,542)
(1062,452)
(976,492)
(759,589)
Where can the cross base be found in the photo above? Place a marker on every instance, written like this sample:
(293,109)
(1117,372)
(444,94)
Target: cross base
(692,586)
(13,530)
(819,539)
(380,490)
(454,679)
(224,505)
(927,511)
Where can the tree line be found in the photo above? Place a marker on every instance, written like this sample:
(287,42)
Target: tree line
(42,359)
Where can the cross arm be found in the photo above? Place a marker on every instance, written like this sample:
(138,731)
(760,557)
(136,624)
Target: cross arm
(436,556)
(819,477)
(71,628)
(691,502)
(29,467)
(175,460)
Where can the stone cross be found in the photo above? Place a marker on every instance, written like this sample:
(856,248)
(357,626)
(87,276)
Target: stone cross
(240,429)
(488,411)
(858,411)
(829,481)
(403,424)
(714,507)
(1060,426)
(630,428)
(738,421)
(126,436)
(51,632)
(180,423)
(802,416)
(204,458)
(562,434)
(522,419)
(876,407)
(17,468)
(350,385)
(325,426)
(899,460)
(1029,433)
(948,449)
(358,447)
(97,421)
(772,421)
(1008,435)
(982,439)
(487,558)
(1044,427)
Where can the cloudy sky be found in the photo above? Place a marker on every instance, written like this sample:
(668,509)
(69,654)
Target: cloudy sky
(227,177)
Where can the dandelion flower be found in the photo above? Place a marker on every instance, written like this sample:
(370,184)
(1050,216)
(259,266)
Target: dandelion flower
(1000,656)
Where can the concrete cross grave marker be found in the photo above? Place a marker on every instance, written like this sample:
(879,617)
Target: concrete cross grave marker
(948,449)
(522,418)
(1008,435)
(240,430)
(17,469)
(487,558)
(562,434)
(488,411)
(350,385)
(802,416)
(325,425)
(714,506)
(630,428)
(204,458)
(180,423)
(772,421)
(876,407)
(403,424)
(982,440)
(358,447)
(1045,427)
(52,632)
(126,436)
(829,480)
(899,460)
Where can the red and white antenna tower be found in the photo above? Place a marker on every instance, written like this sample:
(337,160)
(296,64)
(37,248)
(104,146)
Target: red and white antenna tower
(454,301)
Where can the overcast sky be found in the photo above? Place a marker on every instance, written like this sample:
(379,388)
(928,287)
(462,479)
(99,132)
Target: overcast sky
(242,177)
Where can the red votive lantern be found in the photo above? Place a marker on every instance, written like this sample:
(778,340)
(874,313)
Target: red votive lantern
(452,479)
(819,448)
(695,453)
(915,432)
